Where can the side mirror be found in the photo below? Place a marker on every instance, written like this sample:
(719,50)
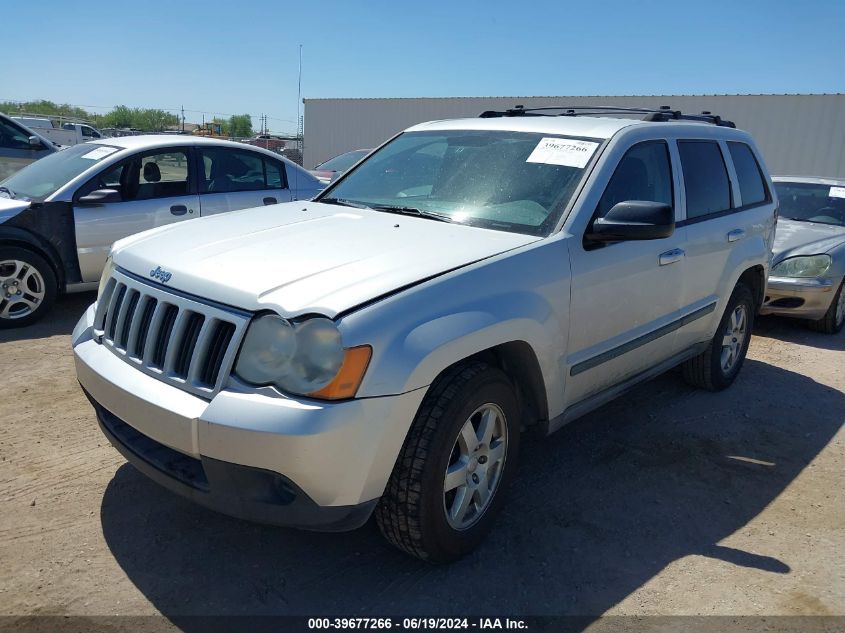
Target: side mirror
(633,220)
(101,196)
(35,142)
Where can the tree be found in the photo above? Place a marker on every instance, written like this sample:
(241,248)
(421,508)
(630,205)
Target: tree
(240,125)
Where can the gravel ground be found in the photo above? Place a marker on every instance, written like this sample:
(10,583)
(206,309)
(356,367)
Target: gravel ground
(670,501)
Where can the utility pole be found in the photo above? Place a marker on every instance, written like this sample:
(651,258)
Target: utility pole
(301,129)
(183,119)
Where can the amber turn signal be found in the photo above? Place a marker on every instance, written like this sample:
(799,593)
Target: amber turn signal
(348,379)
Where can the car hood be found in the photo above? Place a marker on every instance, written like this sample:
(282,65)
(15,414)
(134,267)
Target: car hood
(805,238)
(9,208)
(305,257)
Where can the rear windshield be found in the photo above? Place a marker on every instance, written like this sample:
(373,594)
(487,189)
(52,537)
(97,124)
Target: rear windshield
(44,177)
(343,162)
(809,202)
(510,181)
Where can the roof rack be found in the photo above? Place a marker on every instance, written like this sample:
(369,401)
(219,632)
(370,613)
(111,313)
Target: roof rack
(664,113)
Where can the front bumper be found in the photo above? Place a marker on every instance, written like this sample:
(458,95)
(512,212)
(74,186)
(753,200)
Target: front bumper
(263,457)
(801,298)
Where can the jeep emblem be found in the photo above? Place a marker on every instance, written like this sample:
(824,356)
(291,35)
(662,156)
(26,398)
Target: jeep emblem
(160,274)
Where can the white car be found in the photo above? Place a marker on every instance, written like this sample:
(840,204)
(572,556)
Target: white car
(381,348)
(60,215)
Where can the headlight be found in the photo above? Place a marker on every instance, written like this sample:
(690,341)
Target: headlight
(305,358)
(104,278)
(803,266)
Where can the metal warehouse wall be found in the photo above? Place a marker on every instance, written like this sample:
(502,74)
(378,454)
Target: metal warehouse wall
(798,134)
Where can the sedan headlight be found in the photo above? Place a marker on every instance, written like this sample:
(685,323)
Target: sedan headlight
(802,266)
(104,278)
(304,358)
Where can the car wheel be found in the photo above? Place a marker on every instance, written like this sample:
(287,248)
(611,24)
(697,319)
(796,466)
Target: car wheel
(27,287)
(834,318)
(449,480)
(717,367)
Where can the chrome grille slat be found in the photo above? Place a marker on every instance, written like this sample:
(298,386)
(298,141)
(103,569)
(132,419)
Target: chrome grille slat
(177,339)
(174,342)
(145,303)
(127,308)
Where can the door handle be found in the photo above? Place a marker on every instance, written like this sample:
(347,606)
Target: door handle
(736,234)
(670,257)
(178,209)
(269,200)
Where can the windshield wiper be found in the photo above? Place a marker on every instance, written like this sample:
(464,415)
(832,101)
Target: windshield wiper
(413,211)
(343,202)
(8,191)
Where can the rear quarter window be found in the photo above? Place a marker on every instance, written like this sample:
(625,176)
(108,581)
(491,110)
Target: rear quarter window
(752,187)
(706,180)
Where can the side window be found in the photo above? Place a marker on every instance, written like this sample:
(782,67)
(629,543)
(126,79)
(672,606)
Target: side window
(227,171)
(275,175)
(162,175)
(87,132)
(12,137)
(705,178)
(644,173)
(752,188)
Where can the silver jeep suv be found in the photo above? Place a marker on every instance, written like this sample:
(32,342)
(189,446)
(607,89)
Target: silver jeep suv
(380,349)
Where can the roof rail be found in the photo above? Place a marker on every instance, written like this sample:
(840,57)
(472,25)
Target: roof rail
(664,113)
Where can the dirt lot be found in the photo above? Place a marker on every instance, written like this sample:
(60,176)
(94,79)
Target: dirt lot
(670,501)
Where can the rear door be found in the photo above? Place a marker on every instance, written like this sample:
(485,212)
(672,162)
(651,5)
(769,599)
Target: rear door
(728,217)
(625,296)
(156,187)
(232,179)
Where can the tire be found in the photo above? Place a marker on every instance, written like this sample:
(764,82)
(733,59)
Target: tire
(412,514)
(834,318)
(28,287)
(709,369)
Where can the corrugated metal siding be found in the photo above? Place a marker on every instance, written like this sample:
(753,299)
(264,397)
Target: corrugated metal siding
(798,134)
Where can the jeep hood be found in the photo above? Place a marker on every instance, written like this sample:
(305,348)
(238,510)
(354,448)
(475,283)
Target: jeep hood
(305,257)
(805,238)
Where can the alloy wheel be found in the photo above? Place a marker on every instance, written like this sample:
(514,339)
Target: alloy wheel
(734,338)
(475,466)
(22,289)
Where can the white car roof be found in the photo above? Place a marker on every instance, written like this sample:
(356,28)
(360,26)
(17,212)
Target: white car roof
(143,141)
(593,127)
(599,127)
(811,180)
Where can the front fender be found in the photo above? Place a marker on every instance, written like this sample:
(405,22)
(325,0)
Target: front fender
(518,296)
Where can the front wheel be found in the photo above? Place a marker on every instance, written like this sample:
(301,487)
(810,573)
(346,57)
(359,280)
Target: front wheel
(834,318)
(449,481)
(717,367)
(27,287)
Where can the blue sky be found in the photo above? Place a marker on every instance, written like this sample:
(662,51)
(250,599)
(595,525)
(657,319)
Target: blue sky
(234,57)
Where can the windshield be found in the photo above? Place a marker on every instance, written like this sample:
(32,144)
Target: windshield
(510,181)
(343,162)
(45,176)
(806,202)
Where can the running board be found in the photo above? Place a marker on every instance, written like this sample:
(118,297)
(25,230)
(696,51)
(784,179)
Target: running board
(593,402)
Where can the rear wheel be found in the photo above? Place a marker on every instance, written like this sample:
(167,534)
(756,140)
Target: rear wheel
(834,318)
(449,481)
(27,287)
(717,367)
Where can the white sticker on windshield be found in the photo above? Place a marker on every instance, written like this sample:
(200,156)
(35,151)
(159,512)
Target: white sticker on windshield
(562,151)
(837,192)
(100,152)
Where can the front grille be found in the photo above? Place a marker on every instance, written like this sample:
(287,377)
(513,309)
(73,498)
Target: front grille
(175,338)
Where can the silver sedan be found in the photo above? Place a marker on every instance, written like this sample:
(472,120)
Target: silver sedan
(808,264)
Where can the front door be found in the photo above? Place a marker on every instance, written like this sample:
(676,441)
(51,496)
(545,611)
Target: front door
(232,179)
(626,295)
(156,188)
